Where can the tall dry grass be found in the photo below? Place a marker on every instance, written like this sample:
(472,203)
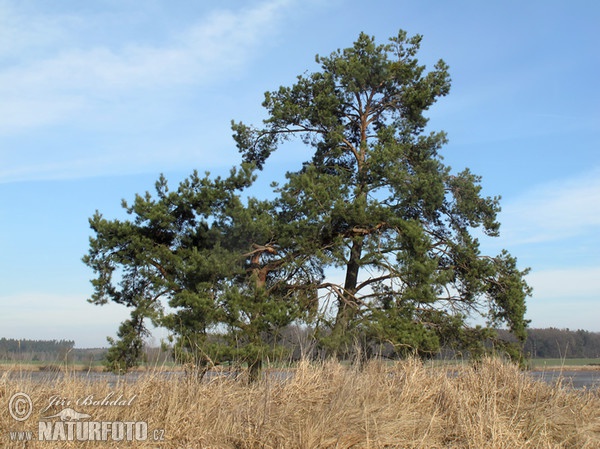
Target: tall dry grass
(405,405)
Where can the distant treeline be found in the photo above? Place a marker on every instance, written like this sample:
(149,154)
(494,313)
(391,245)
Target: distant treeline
(13,349)
(562,343)
(541,343)
(23,350)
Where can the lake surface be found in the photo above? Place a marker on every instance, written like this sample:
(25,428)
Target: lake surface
(576,379)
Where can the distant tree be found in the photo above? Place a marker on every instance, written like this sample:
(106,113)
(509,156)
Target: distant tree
(226,273)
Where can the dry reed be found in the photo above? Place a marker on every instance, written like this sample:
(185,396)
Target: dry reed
(404,405)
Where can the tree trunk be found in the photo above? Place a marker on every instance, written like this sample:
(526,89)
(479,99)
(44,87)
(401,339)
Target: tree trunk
(254,370)
(347,305)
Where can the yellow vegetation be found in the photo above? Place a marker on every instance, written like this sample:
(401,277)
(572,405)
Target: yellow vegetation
(403,405)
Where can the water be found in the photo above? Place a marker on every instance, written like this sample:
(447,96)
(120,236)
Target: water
(577,379)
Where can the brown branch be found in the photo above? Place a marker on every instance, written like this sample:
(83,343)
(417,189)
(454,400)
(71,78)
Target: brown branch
(160,268)
(259,249)
(357,230)
(373,280)
(341,292)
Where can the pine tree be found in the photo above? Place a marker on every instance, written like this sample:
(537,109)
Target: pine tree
(381,204)
(226,272)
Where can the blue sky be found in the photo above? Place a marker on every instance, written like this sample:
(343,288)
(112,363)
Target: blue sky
(98,98)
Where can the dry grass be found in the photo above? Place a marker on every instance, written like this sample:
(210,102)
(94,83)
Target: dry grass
(405,405)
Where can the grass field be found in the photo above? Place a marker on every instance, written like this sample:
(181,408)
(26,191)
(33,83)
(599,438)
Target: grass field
(401,405)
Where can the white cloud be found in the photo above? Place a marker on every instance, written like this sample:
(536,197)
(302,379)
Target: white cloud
(566,284)
(48,89)
(555,211)
(23,112)
(572,314)
(565,298)
(85,104)
(23,33)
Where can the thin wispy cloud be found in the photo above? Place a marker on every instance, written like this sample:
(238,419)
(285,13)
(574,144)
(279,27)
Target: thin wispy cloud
(97,105)
(25,35)
(555,211)
(45,90)
(565,297)
(566,283)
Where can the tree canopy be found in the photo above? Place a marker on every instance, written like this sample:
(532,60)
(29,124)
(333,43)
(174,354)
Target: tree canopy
(371,242)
